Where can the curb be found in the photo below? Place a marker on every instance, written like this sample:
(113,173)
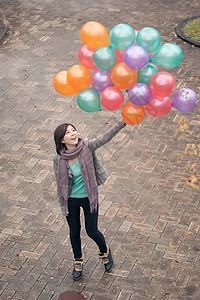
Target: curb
(180,32)
(3,30)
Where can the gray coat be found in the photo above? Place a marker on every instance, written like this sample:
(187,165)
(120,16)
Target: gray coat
(100,171)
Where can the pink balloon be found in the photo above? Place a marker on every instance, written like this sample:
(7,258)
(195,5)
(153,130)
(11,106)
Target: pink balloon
(158,106)
(151,54)
(160,68)
(136,33)
(162,84)
(119,55)
(85,56)
(112,98)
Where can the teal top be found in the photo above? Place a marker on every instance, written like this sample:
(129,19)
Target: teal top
(78,186)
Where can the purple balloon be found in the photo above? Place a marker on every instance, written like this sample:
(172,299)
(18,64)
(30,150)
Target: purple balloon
(185,100)
(136,57)
(140,94)
(101,80)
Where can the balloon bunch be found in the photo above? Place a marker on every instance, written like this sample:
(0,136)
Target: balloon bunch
(126,59)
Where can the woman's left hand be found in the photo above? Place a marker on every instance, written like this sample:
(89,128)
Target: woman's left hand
(122,121)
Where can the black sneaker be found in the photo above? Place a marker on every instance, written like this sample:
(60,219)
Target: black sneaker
(78,267)
(107,260)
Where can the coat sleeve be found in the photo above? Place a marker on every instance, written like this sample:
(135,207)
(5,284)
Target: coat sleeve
(63,206)
(55,165)
(93,144)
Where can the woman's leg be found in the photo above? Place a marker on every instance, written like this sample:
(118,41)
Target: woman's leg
(91,226)
(74,223)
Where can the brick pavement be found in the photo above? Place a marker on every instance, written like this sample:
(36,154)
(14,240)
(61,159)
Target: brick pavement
(148,214)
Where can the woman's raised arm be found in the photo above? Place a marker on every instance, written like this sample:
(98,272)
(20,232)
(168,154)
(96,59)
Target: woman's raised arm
(93,144)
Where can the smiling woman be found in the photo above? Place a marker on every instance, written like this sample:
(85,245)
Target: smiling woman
(61,134)
(70,138)
(79,173)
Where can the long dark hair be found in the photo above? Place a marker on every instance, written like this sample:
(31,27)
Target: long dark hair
(59,134)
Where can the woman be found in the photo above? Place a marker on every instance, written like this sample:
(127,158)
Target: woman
(79,173)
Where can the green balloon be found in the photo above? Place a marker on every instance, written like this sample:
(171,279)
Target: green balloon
(168,56)
(122,36)
(89,100)
(146,73)
(104,58)
(149,38)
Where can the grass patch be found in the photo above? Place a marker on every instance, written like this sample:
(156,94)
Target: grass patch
(193,29)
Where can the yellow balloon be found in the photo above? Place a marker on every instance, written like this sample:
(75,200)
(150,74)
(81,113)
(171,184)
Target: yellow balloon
(79,77)
(133,114)
(123,77)
(62,85)
(94,35)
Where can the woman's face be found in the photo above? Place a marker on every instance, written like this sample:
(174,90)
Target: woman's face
(71,138)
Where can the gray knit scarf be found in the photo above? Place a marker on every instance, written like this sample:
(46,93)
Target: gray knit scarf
(87,170)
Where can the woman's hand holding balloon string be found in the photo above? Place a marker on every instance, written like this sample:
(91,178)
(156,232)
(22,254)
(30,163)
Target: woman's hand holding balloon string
(122,121)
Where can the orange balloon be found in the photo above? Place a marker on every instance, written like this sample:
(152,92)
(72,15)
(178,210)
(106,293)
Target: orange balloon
(79,77)
(123,77)
(133,114)
(94,35)
(62,86)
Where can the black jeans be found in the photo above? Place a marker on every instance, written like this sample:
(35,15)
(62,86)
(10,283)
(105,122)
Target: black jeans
(91,226)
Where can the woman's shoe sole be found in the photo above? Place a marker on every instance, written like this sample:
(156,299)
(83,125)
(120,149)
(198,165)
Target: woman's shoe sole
(76,279)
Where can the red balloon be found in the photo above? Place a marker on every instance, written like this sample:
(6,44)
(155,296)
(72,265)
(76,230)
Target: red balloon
(136,33)
(158,106)
(160,68)
(85,56)
(151,54)
(119,55)
(112,98)
(162,84)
